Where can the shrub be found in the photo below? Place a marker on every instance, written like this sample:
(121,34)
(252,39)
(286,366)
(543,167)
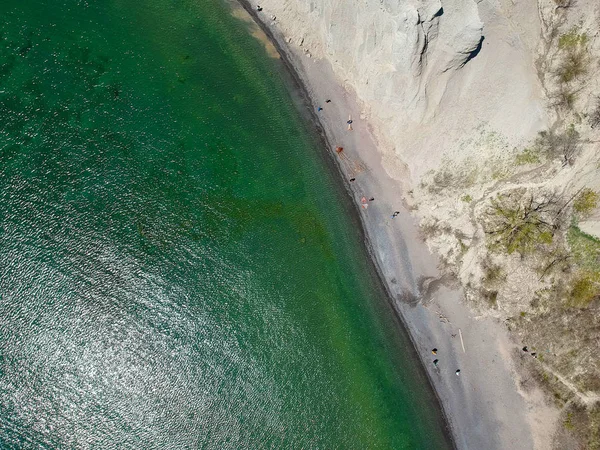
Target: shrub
(492,272)
(528,156)
(586,202)
(522,223)
(491,297)
(585,249)
(467,198)
(565,145)
(583,291)
(564,98)
(572,40)
(574,64)
(575,59)
(429,229)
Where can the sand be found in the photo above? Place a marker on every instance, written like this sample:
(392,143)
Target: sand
(484,406)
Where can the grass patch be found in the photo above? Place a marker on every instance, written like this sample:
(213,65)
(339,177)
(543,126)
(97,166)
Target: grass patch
(584,248)
(528,156)
(584,290)
(584,425)
(586,253)
(500,174)
(586,202)
(467,198)
(575,60)
(572,39)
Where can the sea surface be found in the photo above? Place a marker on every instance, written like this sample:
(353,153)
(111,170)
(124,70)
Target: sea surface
(179,265)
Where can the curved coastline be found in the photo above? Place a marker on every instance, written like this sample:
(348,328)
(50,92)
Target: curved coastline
(308,108)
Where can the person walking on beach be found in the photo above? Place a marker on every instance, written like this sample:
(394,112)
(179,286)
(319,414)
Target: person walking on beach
(457,372)
(395,214)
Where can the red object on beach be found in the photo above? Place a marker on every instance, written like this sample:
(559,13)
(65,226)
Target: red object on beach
(339,149)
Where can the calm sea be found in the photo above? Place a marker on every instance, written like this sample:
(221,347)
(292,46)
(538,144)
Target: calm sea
(179,267)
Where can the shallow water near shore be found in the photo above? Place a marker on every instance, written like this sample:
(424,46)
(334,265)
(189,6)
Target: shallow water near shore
(180,267)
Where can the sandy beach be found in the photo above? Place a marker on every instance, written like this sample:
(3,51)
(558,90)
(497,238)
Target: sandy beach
(484,404)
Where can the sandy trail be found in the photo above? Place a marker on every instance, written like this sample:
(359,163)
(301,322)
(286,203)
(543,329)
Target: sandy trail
(484,406)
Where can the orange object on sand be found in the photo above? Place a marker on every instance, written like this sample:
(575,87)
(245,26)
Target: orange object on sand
(339,149)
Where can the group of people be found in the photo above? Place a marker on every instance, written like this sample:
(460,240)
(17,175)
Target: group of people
(436,361)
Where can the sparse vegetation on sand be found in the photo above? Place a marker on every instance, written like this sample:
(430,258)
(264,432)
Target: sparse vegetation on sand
(565,145)
(521,222)
(574,56)
(586,202)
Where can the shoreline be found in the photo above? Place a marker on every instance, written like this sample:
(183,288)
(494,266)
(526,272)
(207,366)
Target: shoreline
(484,407)
(308,102)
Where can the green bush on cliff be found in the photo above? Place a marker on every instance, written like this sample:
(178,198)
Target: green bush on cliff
(586,202)
(528,156)
(521,223)
(575,60)
(584,289)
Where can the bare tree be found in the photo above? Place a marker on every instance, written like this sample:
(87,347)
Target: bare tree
(566,145)
(520,222)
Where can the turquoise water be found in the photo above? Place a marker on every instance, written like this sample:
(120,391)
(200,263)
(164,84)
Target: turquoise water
(179,267)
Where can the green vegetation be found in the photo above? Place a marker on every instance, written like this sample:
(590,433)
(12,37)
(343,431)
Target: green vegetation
(575,60)
(586,202)
(583,424)
(585,249)
(528,156)
(573,65)
(467,198)
(585,289)
(520,223)
(572,39)
(568,421)
(500,173)
(586,253)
